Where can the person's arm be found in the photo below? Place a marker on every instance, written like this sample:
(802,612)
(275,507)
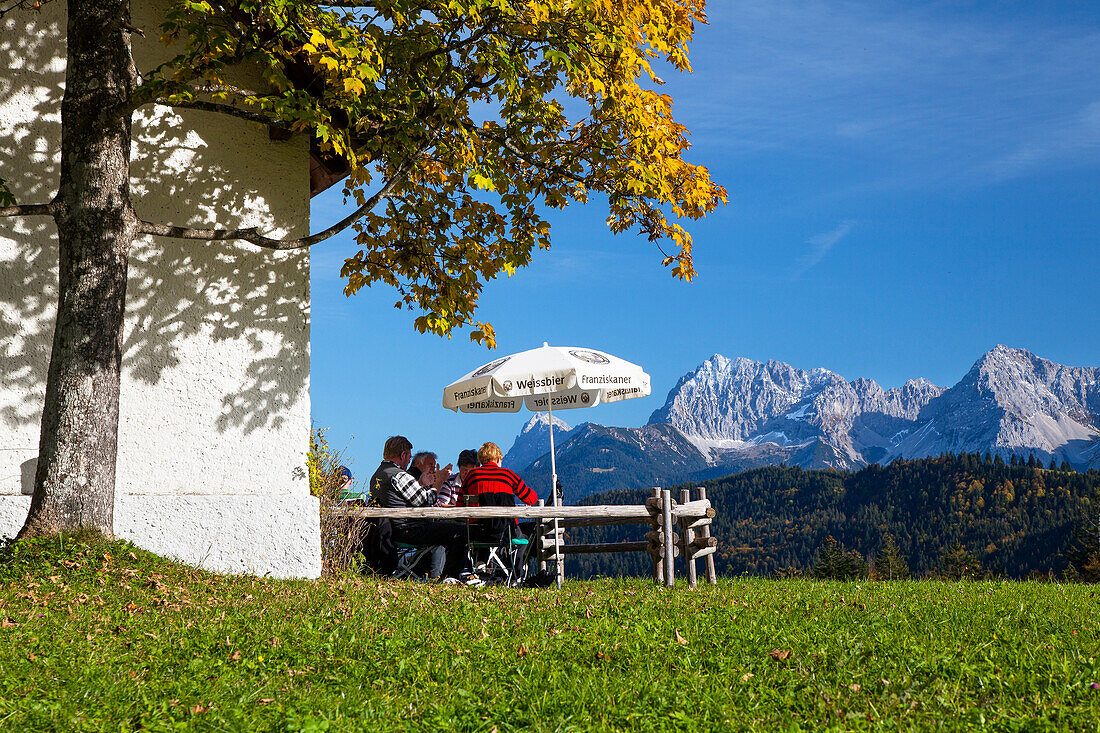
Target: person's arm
(441,476)
(524,492)
(411,492)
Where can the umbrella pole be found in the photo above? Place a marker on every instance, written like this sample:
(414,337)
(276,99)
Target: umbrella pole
(558,554)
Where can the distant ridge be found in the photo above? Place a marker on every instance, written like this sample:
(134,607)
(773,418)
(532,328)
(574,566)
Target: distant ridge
(728,415)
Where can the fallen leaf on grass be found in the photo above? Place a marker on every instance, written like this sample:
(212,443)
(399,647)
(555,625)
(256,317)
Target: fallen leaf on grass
(265,701)
(854,687)
(235,655)
(307,670)
(680,639)
(779,654)
(747,676)
(200,708)
(522,651)
(8,623)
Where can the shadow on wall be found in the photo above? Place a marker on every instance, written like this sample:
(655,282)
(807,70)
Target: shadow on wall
(221,293)
(28,279)
(26,476)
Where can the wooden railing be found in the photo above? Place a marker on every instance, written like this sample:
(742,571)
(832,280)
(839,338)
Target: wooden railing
(663,542)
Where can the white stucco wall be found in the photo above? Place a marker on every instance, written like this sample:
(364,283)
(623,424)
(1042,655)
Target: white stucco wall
(215,412)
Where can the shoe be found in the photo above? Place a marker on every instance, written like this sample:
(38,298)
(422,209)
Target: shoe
(451,581)
(475,581)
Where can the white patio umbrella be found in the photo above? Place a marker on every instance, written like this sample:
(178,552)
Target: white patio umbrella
(547,379)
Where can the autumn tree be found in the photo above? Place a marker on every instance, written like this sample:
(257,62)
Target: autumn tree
(1084,552)
(459,122)
(835,562)
(957,563)
(888,563)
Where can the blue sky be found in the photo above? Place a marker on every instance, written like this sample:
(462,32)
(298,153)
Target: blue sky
(910,184)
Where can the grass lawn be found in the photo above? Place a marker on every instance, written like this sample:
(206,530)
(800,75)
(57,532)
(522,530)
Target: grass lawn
(104,636)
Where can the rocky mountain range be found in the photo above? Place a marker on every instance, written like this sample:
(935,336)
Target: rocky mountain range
(729,415)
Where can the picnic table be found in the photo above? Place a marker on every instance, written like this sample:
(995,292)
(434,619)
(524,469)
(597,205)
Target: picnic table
(691,517)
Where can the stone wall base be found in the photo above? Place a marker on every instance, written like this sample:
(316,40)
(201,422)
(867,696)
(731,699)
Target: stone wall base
(226,533)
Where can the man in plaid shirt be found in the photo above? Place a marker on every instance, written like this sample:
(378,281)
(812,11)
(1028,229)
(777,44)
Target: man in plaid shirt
(393,487)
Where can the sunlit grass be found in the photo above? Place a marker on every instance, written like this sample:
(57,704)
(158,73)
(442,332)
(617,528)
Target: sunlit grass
(103,636)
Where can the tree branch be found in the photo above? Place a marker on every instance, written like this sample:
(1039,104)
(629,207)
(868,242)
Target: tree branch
(28,210)
(252,234)
(225,109)
(25,4)
(507,144)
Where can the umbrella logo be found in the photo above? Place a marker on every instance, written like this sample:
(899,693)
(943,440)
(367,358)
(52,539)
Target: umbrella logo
(490,367)
(585,398)
(592,357)
(507,386)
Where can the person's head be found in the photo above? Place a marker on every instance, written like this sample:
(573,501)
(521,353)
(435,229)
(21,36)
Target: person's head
(425,462)
(467,459)
(398,449)
(489,453)
(343,476)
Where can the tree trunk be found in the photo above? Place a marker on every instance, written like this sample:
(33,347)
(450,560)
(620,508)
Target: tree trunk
(74,486)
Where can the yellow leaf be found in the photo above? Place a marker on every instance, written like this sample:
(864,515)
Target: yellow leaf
(354,85)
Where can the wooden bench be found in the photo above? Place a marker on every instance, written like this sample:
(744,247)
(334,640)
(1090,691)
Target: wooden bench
(663,514)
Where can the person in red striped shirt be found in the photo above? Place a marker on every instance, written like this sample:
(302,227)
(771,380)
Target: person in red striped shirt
(490,484)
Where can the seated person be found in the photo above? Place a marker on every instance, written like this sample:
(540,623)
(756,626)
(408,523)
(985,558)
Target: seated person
(492,485)
(423,463)
(450,493)
(393,487)
(346,491)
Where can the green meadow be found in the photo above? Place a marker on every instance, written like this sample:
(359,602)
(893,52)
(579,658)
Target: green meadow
(104,636)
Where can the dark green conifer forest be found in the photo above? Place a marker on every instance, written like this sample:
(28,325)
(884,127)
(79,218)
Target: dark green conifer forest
(950,516)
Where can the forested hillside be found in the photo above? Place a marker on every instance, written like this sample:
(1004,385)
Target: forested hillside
(1014,518)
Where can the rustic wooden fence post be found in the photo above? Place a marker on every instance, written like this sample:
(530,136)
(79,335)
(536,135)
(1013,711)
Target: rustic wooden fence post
(712,576)
(559,536)
(687,534)
(539,544)
(552,547)
(654,536)
(667,541)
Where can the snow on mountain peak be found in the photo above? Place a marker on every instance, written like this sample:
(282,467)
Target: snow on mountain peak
(541,419)
(733,414)
(534,440)
(742,400)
